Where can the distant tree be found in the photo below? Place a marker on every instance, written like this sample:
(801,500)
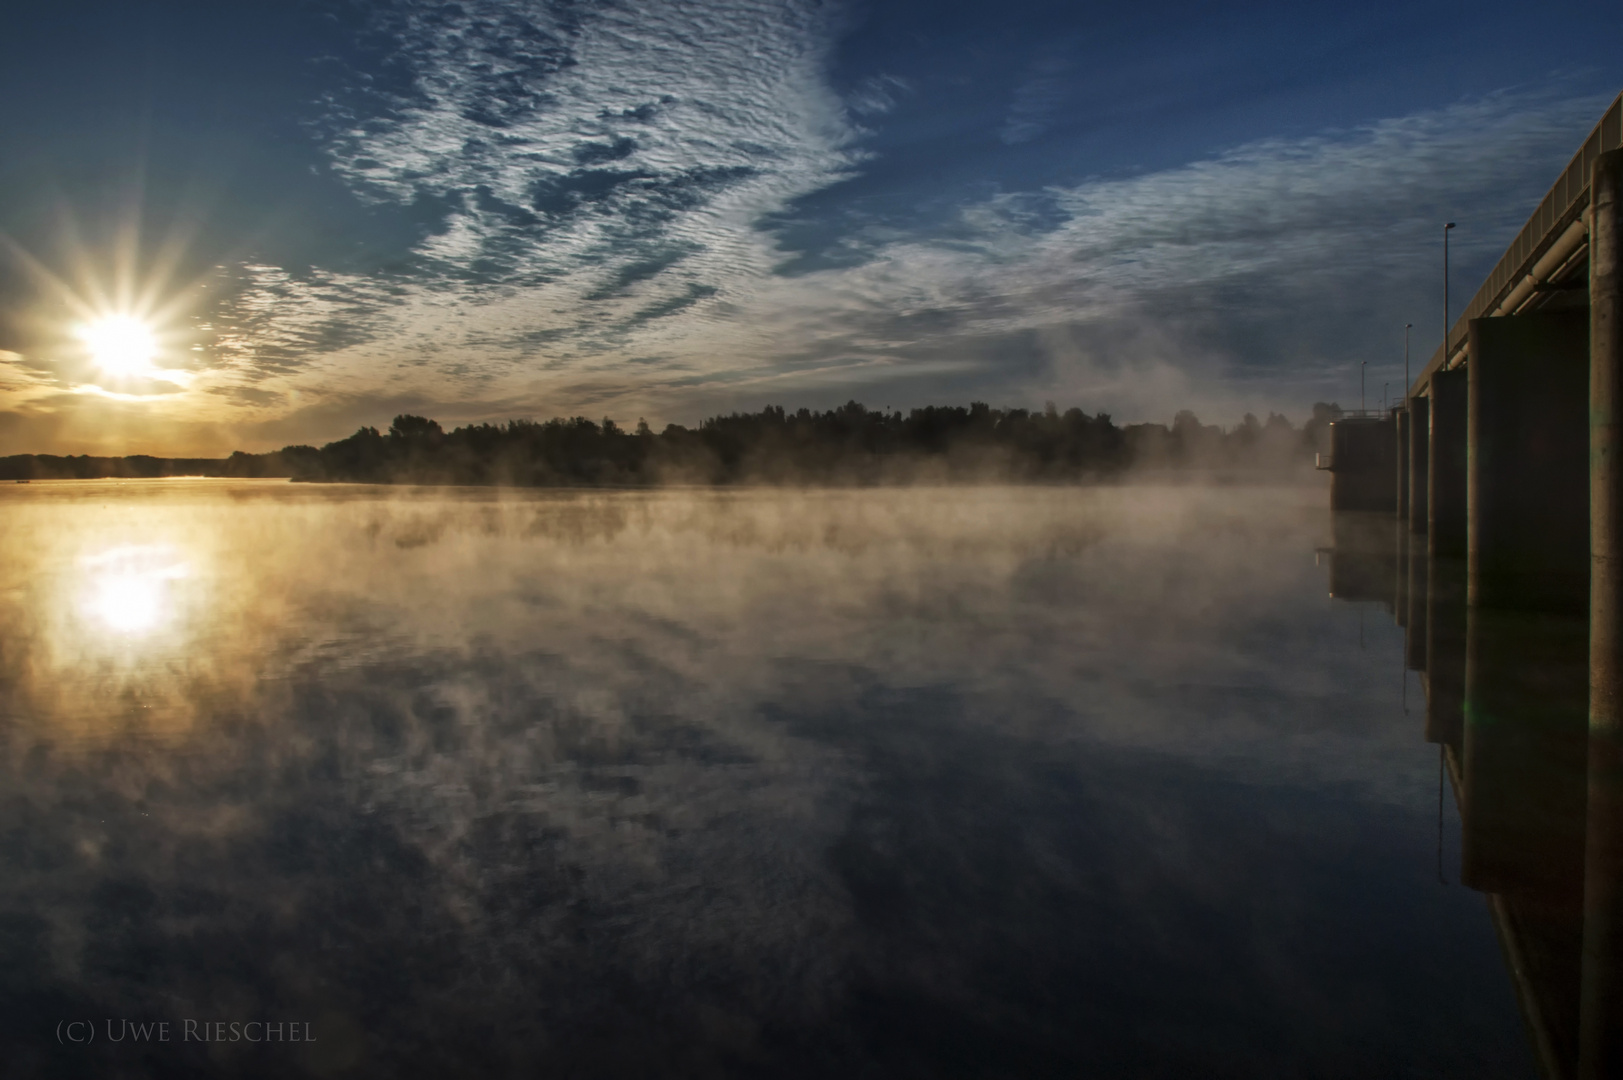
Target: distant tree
(406,426)
(847,444)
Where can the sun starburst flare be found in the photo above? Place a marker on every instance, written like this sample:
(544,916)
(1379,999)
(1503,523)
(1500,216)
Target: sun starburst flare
(120,345)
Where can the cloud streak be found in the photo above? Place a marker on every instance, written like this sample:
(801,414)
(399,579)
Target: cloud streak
(603,203)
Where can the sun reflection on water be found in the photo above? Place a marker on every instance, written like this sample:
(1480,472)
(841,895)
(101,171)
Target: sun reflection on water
(130,589)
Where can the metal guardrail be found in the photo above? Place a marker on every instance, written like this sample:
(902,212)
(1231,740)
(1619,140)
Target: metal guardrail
(1566,201)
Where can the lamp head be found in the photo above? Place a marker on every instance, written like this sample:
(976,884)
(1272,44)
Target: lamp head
(1450,225)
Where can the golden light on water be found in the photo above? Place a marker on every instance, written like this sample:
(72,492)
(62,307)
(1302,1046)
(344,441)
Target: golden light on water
(120,345)
(130,589)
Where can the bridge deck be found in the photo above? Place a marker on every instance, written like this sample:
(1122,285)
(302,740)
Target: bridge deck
(1565,204)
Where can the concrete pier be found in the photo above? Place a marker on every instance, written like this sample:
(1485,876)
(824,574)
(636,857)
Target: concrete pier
(1445,652)
(1414,642)
(1400,574)
(1419,463)
(1507,455)
(1527,471)
(1447,518)
(1363,465)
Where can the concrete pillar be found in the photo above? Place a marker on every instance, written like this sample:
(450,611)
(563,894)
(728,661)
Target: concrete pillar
(1400,417)
(1601,1039)
(1400,573)
(1446,547)
(1419,462)
(1414,642)
(1363,474)
(1445,651)
(1446,517)
(1528,473)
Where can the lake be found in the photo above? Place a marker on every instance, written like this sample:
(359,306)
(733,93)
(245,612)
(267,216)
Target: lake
(1032,781)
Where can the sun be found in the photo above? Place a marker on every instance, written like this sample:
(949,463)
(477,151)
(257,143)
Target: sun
(120,344)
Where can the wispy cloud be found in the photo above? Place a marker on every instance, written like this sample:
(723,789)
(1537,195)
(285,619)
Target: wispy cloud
(1289,256)
(877,94)
(587,174)
(596,192)
(1037,98)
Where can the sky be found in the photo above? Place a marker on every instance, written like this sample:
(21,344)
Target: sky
(328,213)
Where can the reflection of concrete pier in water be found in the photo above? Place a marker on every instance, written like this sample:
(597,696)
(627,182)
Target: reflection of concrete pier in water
(1487,512)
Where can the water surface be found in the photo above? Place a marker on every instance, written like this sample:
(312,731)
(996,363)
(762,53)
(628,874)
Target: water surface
(924,782)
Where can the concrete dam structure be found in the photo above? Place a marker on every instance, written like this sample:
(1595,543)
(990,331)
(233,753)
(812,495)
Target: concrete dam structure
(1486,511)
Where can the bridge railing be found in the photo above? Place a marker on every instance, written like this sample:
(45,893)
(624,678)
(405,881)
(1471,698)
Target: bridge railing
(1566,201)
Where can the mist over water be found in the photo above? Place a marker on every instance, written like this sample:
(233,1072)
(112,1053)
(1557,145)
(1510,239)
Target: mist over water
(926,781)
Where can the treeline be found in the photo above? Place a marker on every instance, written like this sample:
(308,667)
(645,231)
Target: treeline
(139,467)
(850,444)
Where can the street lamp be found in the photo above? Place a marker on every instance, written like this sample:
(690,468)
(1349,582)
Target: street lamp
(1363,405)
(1406,328)
(1446,326)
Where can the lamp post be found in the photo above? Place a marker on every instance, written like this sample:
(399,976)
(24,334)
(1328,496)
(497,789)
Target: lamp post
(1406,328)
(1446,326)
(1363,405)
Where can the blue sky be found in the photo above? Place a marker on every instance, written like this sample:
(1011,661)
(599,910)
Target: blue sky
(333,212)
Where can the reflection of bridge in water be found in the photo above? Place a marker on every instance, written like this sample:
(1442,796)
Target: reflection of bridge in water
(1487,513)
(1506,697)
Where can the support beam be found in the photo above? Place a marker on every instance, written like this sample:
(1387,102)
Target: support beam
(1601,1033)
(1419,463)
(1527,471)
(1446,518)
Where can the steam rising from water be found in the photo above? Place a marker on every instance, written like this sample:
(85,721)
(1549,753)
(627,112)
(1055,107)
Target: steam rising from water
(738,771)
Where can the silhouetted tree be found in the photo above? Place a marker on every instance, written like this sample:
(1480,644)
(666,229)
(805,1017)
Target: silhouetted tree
(848,444)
